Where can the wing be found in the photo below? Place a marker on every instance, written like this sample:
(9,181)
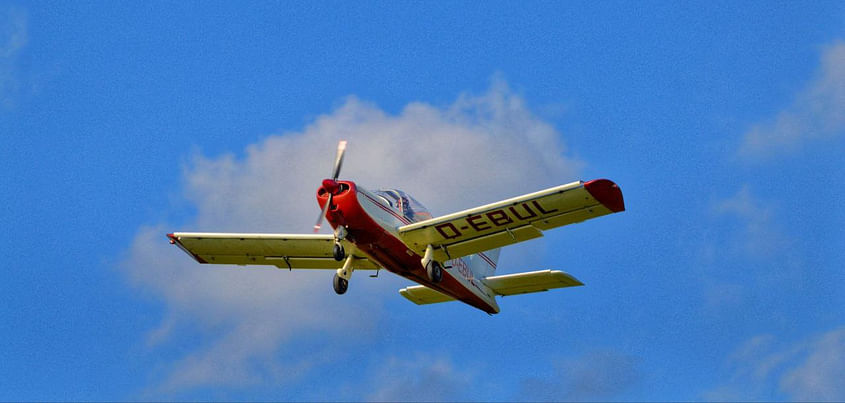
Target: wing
(285,251)
(514,220)
(508,284)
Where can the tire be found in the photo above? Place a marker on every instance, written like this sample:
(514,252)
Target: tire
(338,252)
(434,272)
(340,284)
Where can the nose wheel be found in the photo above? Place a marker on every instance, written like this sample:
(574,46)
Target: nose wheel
(340,284)
(342,276)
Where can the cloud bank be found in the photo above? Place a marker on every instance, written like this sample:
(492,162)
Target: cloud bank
(479,149)
(818,112)
(808,370)
(819,376)
(598,375)
(424,378)
(758,234)
(13,38)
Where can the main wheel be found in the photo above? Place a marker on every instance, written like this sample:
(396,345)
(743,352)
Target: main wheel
(338,252)
(340,284)
(434,272)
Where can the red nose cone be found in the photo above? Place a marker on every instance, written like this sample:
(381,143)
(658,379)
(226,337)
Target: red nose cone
(330,185)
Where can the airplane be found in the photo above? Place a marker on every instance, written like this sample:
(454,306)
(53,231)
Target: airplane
(451,257)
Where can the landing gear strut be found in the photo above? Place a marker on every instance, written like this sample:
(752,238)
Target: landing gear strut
(341,277)
(433,269)
(339,234)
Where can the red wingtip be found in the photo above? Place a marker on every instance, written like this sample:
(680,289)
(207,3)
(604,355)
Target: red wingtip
(607,193)
(172,238)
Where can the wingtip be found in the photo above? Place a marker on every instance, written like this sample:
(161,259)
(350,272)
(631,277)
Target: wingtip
(607,193)
(174,240)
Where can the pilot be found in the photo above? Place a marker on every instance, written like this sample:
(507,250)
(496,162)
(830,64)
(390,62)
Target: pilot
(406,209)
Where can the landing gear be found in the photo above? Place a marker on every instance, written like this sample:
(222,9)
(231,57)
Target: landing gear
(339,234)
(342,276)
(433,269)
(340,284)
(434,272)
(338,252)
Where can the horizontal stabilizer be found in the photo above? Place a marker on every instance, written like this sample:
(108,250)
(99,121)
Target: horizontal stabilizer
(421,295)
(532,281)
(508,284)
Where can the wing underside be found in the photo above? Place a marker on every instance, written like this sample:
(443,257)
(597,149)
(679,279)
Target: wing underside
(285,251)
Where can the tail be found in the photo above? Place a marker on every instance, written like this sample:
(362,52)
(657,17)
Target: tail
(483,264)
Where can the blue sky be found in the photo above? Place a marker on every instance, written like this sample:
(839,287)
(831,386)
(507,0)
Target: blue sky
(723,124)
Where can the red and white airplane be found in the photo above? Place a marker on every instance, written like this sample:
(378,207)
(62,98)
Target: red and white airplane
(452,257)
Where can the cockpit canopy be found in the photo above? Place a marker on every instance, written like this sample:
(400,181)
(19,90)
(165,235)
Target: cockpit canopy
(413,210)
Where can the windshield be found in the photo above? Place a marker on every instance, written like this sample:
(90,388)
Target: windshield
(409,207)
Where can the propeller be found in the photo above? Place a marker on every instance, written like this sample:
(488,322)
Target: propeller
(331,184)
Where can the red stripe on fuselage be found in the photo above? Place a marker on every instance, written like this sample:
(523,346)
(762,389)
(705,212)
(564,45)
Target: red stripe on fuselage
(487,259)
(389,251)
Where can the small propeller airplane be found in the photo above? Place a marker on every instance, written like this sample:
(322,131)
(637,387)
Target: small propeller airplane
(452,257)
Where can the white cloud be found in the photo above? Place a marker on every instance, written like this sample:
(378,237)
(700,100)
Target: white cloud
(808,370)
(747,228)
(13,38)
(817,112)
(821,376)
(424,378)
(598,375)
(758,235)
(243,315)
(477,150)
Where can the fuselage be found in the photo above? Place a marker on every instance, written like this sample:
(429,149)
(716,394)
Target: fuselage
(372,220)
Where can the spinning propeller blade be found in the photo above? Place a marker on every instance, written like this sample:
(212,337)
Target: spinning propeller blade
(322,214)
(338,163)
